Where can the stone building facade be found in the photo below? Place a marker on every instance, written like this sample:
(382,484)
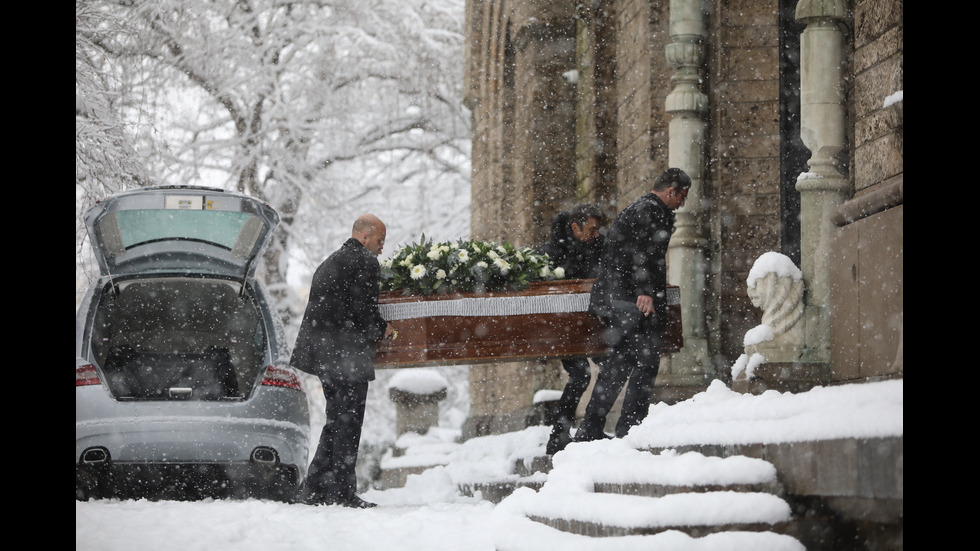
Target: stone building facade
(786,113)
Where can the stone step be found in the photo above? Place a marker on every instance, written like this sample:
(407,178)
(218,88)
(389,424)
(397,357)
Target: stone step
(543,464)
(614,467)
(614,515)
(660,490)
(533,466)
(397,477)
(793,377)
(634,493)
(516,532)
(497,491)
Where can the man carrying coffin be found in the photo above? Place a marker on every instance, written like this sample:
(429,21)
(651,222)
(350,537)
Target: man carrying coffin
(630,296)
(336,343)
(575,246)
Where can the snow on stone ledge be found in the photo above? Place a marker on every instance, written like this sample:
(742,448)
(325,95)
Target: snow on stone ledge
(418,381)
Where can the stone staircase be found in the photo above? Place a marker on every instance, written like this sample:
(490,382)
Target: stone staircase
(829,495)
(818,494)
(790,503)
(733,502)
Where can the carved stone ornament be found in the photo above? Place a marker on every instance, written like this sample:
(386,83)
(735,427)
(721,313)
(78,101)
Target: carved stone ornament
(775,285)
(780,296)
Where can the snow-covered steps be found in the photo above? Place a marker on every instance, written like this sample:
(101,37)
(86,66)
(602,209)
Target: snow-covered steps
(615,466)
(497,491)
(696,514)
(609,493)
(623,470)
(600,522)
(517,532)
(413,454)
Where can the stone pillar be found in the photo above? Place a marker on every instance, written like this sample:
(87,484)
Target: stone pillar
(686,256)
(416,394)
(823,188)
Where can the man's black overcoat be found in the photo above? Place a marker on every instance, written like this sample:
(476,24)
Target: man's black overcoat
(342,322)
(635,259)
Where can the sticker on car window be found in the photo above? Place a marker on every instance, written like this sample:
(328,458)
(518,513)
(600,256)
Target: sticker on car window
(184,202)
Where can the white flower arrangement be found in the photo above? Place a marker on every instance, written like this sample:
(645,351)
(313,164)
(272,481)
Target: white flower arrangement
(464,266)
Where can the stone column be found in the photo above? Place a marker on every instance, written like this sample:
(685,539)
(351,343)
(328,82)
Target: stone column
(823,188)
(686,255)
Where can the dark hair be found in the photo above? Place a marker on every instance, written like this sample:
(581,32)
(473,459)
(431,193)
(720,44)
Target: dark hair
(582,212)
(672,178)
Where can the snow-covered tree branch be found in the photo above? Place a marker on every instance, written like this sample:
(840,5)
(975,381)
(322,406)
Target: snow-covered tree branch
(295,102)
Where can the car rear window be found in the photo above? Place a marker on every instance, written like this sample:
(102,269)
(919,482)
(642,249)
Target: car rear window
(137,227)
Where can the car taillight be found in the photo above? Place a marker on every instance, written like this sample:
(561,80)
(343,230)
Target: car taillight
(277,376)
(86,375)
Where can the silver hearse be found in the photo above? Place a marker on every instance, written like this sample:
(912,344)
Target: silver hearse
(182,388)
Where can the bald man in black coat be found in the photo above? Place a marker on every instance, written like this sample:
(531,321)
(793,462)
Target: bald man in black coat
(336,342)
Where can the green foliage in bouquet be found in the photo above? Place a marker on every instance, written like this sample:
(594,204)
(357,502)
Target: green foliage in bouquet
(427,268)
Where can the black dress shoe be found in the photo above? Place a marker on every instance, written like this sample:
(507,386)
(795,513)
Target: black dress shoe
(583,436)
(314,500)
(301,497)
(557,443)
(355,502)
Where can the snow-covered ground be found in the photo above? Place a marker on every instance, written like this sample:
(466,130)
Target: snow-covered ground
(430,514)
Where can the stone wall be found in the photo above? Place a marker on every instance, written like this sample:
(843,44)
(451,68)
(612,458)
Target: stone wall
(490,97)
(642,83)
(878,69)
(544,145)
(596,124)
(867,280)
(523,113)
(743,163)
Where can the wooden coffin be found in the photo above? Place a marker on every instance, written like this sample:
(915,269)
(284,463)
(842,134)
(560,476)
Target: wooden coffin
(547,320)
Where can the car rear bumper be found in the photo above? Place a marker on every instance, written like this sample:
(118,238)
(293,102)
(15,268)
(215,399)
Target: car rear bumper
(251,443)
(191,439)
(184,481)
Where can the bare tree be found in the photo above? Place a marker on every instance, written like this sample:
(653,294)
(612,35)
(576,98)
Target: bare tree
(105,160)
(286,99)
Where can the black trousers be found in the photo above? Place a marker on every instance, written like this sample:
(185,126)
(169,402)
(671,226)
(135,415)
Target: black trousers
(563,416)
(634,356)
(578,381)
(331,477)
